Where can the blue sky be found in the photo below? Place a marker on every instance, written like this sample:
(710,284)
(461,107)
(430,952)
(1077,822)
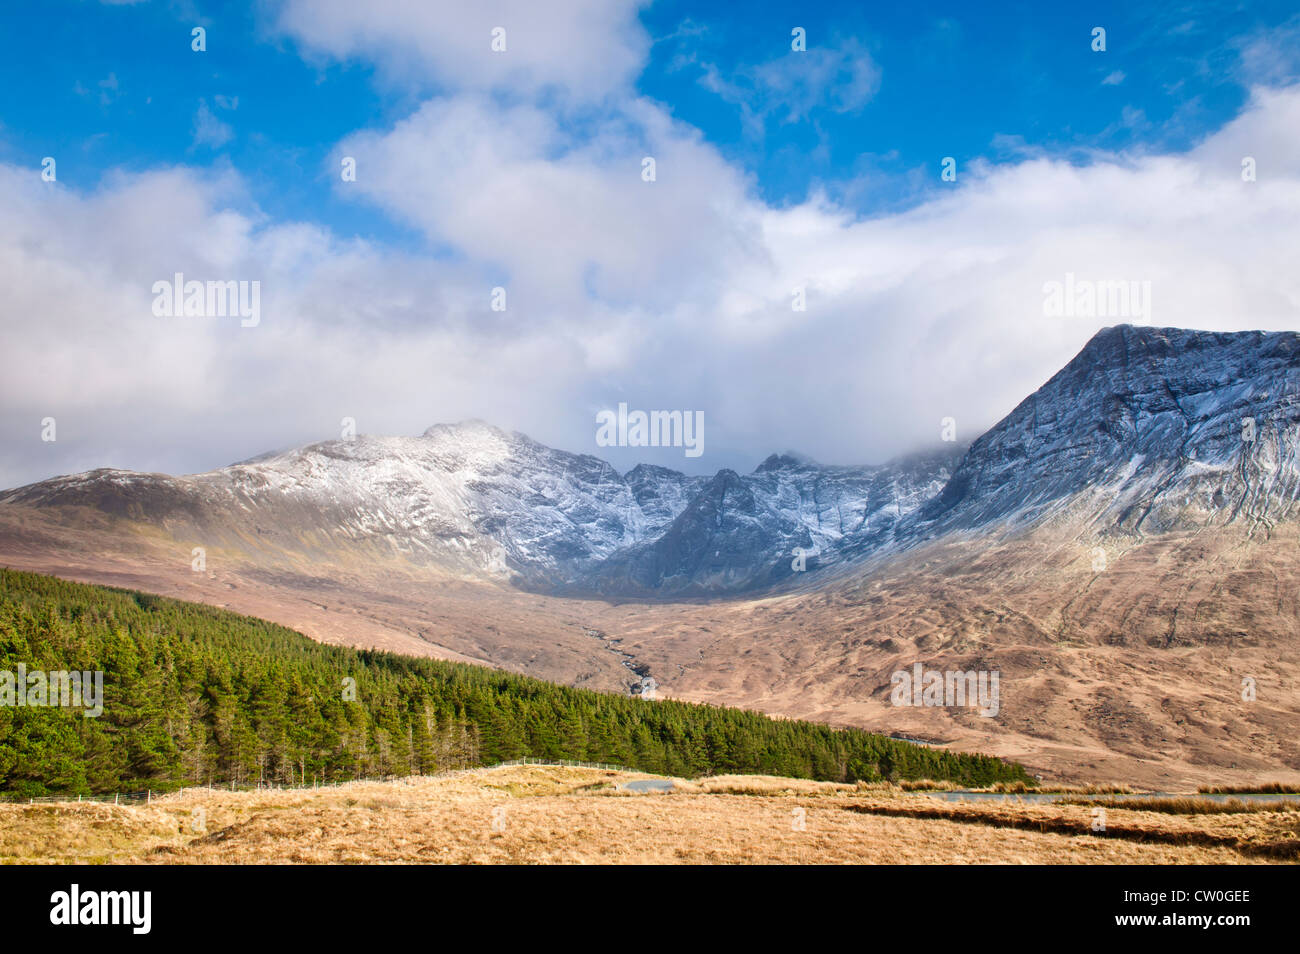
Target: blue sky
(108,87)
(115,86)
(776,170)
(961,80)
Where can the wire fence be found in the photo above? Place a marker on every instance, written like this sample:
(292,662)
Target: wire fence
(564,763)
(146,796)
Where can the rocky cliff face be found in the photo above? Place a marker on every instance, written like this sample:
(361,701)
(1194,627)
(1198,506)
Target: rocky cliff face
(1145,431)
(742,531)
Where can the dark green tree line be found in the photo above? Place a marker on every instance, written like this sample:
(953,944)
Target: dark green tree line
(198,695)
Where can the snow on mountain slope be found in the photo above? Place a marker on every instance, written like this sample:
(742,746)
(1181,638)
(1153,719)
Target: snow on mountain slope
(662,494)
(475,500)
(741,532)
(467,496)
(1145,431)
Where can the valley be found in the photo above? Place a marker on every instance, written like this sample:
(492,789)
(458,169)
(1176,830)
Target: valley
(472,545)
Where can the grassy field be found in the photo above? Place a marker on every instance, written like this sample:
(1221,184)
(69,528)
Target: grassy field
(537,814)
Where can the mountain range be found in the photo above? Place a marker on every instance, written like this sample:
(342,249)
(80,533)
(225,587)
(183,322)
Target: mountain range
(1144,430)
(1141,500)
(480,502)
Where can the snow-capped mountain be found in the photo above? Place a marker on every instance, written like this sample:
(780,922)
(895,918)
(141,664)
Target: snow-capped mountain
(476,500)
(468,497)
(1146,430)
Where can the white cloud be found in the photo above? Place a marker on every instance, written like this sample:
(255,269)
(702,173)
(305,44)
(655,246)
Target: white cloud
(586,48)
(667,294)
(209,130)
(1270,57)
(840,76)
(567,220)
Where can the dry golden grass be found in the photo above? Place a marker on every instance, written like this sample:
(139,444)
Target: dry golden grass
(1020,788)
(1191,805)
(1261,834)
(1268,788)
(535,814)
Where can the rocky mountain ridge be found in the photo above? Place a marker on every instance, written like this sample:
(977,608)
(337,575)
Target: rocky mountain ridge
(1146,430)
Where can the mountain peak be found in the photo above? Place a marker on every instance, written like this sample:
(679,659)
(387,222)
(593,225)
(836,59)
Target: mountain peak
(473,426)
(790,460)
(1146,429)
(651,471)
(1173,342)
